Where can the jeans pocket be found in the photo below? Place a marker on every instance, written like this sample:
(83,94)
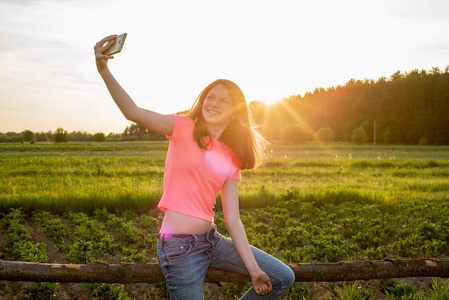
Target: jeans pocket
(177,251)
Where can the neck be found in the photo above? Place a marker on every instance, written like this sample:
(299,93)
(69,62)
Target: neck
(215,131)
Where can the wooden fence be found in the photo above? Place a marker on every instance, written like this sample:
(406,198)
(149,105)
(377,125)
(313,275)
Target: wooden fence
(151,273)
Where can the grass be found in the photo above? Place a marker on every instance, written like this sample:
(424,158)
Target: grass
(86,176)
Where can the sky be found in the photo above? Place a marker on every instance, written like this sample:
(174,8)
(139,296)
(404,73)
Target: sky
(271,49)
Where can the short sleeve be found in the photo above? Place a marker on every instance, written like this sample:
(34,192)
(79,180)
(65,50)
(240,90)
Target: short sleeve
(236,175)
(181,123)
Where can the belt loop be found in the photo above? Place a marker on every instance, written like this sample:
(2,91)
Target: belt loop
(160,237)
(195,240)
(210,234)
(214,230)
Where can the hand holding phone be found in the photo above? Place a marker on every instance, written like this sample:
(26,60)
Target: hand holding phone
(118,45)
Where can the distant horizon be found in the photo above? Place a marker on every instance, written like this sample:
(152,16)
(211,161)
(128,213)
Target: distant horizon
(248,101)
(174,49)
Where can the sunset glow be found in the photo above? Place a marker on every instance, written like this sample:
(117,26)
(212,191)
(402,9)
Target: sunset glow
(272,50)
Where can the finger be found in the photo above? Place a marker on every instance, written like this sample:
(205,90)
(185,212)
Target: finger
(104,56)
(262,290)
(270,287)
(108,45)
(99,54)
(108,40)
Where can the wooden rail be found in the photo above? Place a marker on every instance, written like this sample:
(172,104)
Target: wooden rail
(151,273)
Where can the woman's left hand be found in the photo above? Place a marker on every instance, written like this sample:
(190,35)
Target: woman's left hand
(261,283)
(100,48)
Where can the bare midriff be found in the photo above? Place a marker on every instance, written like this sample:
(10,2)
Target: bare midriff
(177,223)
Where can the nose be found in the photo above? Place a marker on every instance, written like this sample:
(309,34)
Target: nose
(215,103)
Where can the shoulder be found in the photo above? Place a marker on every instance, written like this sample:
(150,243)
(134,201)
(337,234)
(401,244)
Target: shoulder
(183,120)
(182,125)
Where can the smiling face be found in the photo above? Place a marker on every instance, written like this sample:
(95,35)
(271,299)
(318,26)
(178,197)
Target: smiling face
(217,109)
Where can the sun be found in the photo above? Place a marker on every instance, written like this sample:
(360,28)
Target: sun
(270,101)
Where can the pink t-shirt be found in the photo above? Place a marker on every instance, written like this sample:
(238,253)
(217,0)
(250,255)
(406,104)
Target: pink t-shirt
(194,176)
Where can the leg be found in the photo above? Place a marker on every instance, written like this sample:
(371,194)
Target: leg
(184,265)
(226,257)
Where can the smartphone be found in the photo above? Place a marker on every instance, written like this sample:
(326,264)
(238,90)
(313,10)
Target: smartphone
(118,45)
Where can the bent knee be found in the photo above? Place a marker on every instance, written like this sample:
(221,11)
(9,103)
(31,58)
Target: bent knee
(289,277)
(284,280)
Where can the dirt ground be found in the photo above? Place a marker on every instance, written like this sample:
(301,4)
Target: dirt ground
(212,291)
(13,290)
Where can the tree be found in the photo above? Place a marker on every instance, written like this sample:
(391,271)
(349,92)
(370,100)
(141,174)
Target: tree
(60,135)
(386,136)
(359,135)
(42,137)
(136,132)
(423,141)
(293,133)
(28,136)
(369,129)
(325,135)
(11,137)
(114,137)
(99,137)
(78,136)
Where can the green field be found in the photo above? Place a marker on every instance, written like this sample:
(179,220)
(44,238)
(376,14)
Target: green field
(84,176)
(307,203)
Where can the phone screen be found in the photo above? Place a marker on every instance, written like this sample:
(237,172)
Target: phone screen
(118,45)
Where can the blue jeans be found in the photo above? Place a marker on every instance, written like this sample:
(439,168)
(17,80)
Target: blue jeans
(185,258)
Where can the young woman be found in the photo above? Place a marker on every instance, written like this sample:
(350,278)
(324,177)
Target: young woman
(206,153)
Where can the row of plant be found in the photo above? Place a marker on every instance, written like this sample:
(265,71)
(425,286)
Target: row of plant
(94,236)
(92,239)
(332,229)
(436,290)
(19,244)
(293,230)
(328,228)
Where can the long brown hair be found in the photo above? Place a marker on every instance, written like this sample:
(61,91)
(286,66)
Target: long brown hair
(240,135)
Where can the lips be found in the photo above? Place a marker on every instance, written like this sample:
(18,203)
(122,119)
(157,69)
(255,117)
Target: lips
(213,112)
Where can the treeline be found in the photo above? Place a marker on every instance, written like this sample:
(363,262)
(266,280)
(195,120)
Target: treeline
(407,108)
(133,132)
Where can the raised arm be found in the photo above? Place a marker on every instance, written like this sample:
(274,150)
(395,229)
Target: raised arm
(261,281)
(159,123)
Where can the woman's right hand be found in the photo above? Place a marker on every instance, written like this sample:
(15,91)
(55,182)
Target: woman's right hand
(261,283)
(99,49)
